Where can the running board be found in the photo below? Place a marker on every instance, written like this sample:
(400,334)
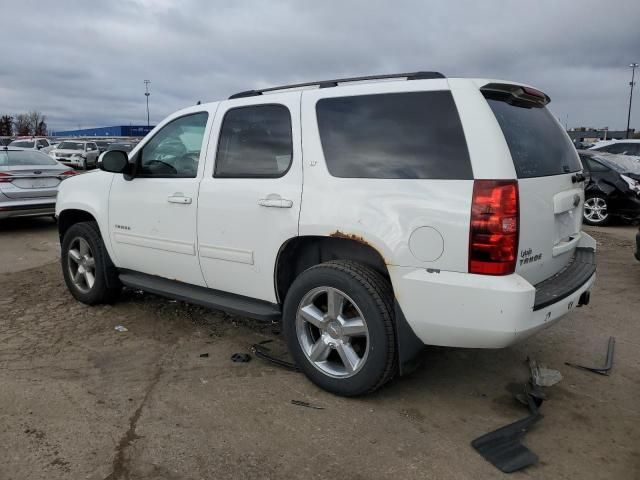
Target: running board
(206,297)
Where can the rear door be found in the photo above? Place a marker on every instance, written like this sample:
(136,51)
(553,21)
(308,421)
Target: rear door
(249,199)
(551,199)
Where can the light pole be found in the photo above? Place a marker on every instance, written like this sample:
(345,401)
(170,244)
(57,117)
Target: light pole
(146,94)
(631,84)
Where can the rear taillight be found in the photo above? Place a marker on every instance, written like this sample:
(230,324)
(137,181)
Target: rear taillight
(493,239)
(67,174)
(5,177)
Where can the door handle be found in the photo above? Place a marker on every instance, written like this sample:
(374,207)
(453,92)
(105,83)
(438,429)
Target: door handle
(275,202)
(179,198)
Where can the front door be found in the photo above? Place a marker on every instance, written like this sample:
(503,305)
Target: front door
(250,196)
(152,217)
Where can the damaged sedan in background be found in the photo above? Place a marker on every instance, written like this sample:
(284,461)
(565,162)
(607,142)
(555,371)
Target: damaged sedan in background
(612,187)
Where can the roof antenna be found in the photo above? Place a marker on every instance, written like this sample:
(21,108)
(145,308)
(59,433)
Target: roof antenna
(199,102)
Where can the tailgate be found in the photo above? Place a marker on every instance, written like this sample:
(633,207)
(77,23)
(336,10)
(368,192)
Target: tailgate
(550,225)
(546,163)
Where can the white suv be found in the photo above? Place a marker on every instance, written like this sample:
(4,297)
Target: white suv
(371,216)
(622,147)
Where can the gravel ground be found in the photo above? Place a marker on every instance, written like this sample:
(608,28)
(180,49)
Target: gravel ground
(81,400)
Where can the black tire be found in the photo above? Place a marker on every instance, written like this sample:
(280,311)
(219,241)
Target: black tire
(593,221)
(106,286)
(374,297)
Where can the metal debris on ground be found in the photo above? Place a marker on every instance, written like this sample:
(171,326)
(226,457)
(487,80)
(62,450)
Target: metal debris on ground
(121,328)
(606,370)
(542,376)
(306,404)
(260,351)
(240,357)
(503,447)
(204,355)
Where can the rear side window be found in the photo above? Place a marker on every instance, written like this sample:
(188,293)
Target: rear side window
(538,145)
(394,135)
(255,142)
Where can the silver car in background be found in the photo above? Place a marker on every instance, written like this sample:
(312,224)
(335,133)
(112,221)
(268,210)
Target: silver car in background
(29,182)
(40,144)
(76,153)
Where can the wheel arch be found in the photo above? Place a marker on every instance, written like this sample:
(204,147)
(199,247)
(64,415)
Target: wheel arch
(300,253)
(71,216)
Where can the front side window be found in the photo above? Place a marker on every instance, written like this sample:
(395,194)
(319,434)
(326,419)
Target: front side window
(255,142)
(409,135)
(175,150)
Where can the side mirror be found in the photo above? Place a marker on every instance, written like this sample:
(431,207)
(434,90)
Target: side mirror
(39,147)
(114,161)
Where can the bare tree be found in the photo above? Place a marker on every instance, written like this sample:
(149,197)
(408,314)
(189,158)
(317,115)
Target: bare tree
(6,126)
(36,120)
(22,124)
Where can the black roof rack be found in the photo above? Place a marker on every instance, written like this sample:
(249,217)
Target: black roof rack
(334,83)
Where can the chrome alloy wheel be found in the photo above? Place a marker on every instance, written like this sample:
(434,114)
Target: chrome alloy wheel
(81,264)
(595,209)
(332,332)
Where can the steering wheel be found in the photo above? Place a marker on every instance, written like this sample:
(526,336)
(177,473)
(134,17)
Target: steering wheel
(160,162)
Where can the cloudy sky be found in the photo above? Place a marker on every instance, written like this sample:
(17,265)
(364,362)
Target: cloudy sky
(82,63)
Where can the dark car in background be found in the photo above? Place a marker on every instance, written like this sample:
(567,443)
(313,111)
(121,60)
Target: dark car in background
(612,187)
(124,146)
(103,145)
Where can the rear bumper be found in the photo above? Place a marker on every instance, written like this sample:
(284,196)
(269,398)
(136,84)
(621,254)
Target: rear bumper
(478,311)
(27,209)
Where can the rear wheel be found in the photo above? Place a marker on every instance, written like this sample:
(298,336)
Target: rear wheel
(596,210)
(85,265)
(338,320)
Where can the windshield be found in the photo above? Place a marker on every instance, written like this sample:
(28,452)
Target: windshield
(619,163)
(22,144)
(538,145)
(71,146)
(14,158)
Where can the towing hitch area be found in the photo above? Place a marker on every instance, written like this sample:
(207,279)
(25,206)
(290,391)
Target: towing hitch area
(584,299)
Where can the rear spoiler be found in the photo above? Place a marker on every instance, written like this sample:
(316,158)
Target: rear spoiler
(515,94)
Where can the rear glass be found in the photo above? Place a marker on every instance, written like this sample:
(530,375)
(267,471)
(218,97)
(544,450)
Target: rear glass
(538,145)
(14,158)
(394,135)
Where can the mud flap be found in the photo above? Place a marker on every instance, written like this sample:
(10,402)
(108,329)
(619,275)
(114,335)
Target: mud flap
(409,345)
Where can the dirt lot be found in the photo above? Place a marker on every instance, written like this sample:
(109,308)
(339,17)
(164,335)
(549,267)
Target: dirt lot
(80,400)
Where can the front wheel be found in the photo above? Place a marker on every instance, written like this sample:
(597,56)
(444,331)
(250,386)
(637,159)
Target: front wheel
(85,265)
(596,210)
(338,320)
